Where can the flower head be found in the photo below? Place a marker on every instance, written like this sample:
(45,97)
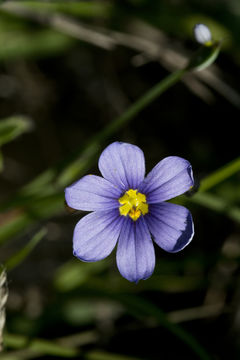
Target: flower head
(202,34)
(129,208)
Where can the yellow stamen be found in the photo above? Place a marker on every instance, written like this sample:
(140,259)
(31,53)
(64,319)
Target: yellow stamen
(133,204)
(208,43)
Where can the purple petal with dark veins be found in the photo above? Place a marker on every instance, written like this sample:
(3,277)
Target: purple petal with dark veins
(171,226)
(123,165)
(135,251)
(92,193)
(96,235)
(169,178)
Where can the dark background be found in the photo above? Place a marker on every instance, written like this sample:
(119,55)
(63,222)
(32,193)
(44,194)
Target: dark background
(71,89)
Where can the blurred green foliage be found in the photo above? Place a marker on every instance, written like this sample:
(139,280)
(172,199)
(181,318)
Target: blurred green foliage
(13,127)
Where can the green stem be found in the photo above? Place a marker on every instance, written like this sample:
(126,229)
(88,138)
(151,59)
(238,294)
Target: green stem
(35,347)
(87,156)
(143,102)
(217,204)
(102,355)
(220,175)
(21,255)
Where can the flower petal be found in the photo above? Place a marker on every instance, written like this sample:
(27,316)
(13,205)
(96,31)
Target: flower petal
(123,165)
(169,178)
(92,193)
(171,226)
(96,234)
(135,251)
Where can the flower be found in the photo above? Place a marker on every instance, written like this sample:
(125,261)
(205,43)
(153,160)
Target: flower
(202,34)
(129,208)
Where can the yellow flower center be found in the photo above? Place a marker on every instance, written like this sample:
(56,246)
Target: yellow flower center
(133,204)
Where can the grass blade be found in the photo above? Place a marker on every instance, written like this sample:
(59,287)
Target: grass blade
(21,255)
(13,127)
(220,175)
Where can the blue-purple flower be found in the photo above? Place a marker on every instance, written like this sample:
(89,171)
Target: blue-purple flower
(129,208)
(202,34)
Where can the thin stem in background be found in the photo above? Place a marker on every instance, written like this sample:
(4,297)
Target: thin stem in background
(72,171)
(220,175)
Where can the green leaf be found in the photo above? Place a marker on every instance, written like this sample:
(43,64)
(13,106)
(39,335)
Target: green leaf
(26,43)
(12,223)
(87,9)
(13,127)
(74,273)
(18,220)
(21,255)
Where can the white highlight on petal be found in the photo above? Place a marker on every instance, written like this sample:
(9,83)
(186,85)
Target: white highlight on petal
(202,34)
